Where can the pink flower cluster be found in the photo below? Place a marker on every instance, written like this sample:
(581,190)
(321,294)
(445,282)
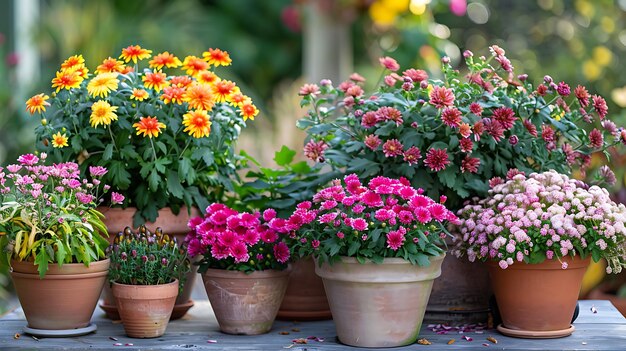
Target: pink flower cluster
(546,215)
(224,234)
(386,208)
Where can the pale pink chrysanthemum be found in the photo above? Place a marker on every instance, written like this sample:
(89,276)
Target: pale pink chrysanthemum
(389,63)
(441,97)
(416,75)
(372,141)
(97,171)
(309,89)
(451,116)
(369,119)
(392,148)
(117,198)
(412,155)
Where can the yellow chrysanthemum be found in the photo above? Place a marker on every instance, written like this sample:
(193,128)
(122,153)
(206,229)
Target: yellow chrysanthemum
(194,65)
(67,79)
(73,62)
(102,84)
(155,80)
(238,99)
(59,140)
(139,94)
(200,97)
(37,103)
(102,113)
(134,53)
(111,65)
(197,123)
(165,59)
(149,127)
(207,77)
(248,111)
(223,89)
(217,57)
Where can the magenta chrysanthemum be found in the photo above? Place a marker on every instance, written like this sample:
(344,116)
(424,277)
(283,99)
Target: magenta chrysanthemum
(437,159)
(392,148)
(451,116)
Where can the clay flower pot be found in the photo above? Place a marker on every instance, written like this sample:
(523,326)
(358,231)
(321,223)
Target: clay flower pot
(537,300)
(305,299)
(378,305)
(116,219)
(66,296)
(243,303)
(145,310)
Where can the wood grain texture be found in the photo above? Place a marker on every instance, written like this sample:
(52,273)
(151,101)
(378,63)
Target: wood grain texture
(604,330)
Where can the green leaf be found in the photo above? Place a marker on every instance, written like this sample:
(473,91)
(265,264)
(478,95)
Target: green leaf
(301,168)
(284,156)
(153,180)
(41,260)
(119,174)
(354,247)
(108,152)
(537,257)
(60,254)
(173,184)
(422,260)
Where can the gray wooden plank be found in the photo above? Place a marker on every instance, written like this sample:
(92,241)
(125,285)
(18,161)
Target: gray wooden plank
(604,330)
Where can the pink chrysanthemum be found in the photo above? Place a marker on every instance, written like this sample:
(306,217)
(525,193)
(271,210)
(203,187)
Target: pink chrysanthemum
(563,89)
(359,224)
(395,239)
(309,89)
(392,148)
(412,155)
(315,150)
(470,164)
(530,127)
(416,75)
(372,141)
(451,116)
(466,145)
(281,252)
(547,133)
(389,63)
(476,109)
(506,117)
(437,159)
(582,95)
(441,97)
(596,140)
(599,104)
(422,214)
(438,212)
(371,199)
(387,113)
(239,251)
(269,236)
(495,129)
(369,119)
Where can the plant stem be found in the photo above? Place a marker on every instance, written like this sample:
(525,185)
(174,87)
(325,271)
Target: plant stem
(112,138)
(154,156)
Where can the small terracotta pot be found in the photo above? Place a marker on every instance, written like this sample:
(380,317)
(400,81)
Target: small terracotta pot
(145,309)
(305,299)
(116,219)
(64,299)
(378,305)
(537,300)
(245,304)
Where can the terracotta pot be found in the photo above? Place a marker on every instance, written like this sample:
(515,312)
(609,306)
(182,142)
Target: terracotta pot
(537,300)
(64,299)
(305,299)
(116,219)
(243,303)
(378,305)
(145,309)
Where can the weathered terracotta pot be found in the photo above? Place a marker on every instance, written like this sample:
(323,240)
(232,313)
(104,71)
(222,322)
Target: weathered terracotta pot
(243,303)
(145,309)
(64,299)
(116,219)
(378,305)
(537,300)
(305,299)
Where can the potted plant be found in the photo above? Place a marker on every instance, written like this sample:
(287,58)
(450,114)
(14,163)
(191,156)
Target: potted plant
(453,136)
(147,271)
(377,247)
(51,236)
(164,127)
(244,266)
(538,234)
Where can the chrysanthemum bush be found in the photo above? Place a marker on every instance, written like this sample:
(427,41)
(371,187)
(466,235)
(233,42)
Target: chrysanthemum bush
(543,216)
(48,215)
(147,258)
(164,128)
(385,218)
(241,241)
(453,136)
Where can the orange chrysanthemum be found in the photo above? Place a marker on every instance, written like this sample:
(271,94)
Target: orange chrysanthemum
(37,103)
(66,79)
(181,81)
(59,140)
(165,59)
(73,62)
(110,65)
(139,94)
(194,65)
(248,111)
(217,57)
(223,89)
(155,80)
(199,96)
(149,127)
(238,99)
(127,70)
(197,123)
(207,77)
(134,53)
(173,94)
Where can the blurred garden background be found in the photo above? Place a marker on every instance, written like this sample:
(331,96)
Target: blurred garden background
(278,45)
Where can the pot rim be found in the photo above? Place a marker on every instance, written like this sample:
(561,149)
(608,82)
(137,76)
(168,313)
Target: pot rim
(95,268)
(387,260)
(143,286)
(554,264)
(266,273)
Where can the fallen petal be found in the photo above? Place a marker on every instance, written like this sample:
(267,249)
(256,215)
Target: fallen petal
(212,341)
(118,344)
(129,344)
(112,338)
(16,336)
(424,342)
(594,309)
(492,339)
(485,344)
(467,338)
(451,341)
(283,333)
(299,341)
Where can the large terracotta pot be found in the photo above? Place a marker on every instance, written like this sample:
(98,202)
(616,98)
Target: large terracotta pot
(145,309)
(537,300)
(378,305)
(66,296)
(116,219)
(305,299)
(243,303)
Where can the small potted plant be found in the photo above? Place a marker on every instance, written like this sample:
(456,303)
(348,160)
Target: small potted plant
(377,246)
(244,266)
(51,237)
(538,234)
(147,271)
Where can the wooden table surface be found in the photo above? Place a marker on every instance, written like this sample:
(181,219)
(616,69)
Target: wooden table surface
(198,330)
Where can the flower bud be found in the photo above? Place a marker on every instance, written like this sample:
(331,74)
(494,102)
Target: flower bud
(467,54)
(144,258)
(123,256)
(423,84)
(513,140)
(522,77)
(547,79)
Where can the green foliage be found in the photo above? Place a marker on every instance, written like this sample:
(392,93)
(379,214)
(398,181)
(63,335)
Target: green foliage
(146,258)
